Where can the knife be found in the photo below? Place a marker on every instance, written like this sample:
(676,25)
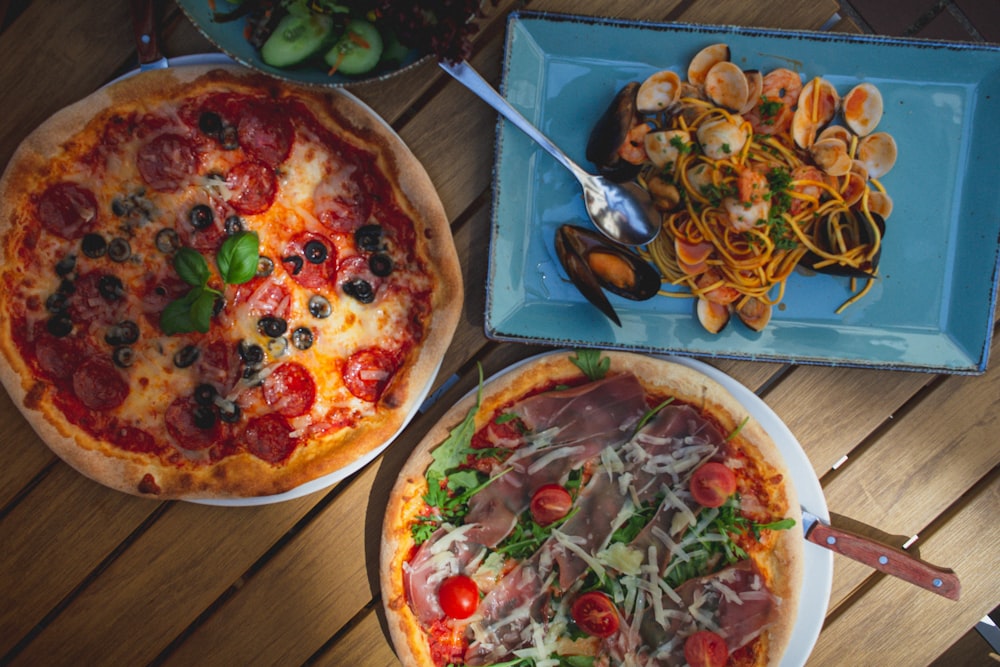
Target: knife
(882,557)
(146,40)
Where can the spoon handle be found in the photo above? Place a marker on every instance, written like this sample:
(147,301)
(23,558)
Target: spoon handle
(472,80)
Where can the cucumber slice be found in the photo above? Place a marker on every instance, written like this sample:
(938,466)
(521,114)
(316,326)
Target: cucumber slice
(356,51)
(296,37)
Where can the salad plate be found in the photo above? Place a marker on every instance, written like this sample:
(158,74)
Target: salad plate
(932,307)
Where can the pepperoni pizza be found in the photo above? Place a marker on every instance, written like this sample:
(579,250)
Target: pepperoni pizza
(214,284)
(593,510)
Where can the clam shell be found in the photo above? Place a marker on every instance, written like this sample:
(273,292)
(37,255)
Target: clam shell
(661,146)
(721,138)
(755,86)
(862,108)
(817,106)
(877,152)
(658,92)
(831,156)
(713,316)
(704,60)
(726,85)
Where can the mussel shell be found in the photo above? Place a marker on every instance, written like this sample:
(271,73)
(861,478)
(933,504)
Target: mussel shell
(577,248)
(810,259)
(610,132)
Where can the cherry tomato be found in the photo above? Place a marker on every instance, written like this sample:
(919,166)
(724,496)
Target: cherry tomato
(712,483)
(550,503)
(459,596)
(706,649)
(596,614)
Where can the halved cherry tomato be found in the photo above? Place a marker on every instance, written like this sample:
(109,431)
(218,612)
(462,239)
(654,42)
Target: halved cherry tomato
(712,483)
(596,614)
(459,596)
(706,649)
(550,503)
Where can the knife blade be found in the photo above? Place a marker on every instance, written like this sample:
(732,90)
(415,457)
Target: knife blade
(147,42)
(882,557)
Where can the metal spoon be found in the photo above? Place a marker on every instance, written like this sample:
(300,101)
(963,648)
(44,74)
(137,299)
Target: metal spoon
(623,211)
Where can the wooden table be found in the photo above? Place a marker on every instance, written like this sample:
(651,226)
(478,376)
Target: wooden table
(92,576)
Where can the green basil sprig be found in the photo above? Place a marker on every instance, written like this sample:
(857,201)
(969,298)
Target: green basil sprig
(236,260)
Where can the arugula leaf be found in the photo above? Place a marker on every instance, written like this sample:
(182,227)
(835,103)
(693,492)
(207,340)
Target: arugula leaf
(593,365)
(191,267)
(238,257)
(646,418)
(456,447)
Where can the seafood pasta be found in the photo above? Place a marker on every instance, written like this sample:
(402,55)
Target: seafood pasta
(752,178)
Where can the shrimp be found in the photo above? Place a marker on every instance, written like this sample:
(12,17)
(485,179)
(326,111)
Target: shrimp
(778,96)
(634,148)
(752,202)
(805,189)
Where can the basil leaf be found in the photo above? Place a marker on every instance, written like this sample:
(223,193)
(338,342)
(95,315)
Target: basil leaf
(176,317)
(238,257)
(201,309)
(191,267)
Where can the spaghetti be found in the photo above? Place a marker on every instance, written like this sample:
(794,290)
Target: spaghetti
(744,204)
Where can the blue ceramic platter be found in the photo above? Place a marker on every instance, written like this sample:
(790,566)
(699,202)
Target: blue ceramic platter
(932,308)
(228,37)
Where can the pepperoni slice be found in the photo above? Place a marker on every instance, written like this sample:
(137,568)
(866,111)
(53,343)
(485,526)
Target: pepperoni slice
(98,297)
(133,439)
(99,386)
(253,185)
(266,133)
(183,423)
(67,210)
(167,162)
(290,389)
(368,372)
(269,437)
(57,357)
(311,260)
(340,200)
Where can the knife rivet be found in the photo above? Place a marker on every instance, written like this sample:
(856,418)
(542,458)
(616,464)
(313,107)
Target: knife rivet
(831,540)
(883,559)
(937,583)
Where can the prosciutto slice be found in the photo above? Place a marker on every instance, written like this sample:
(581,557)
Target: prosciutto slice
(447,552)
(569,427)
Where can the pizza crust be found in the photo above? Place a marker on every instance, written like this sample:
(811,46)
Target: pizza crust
(658,376)
(241,475)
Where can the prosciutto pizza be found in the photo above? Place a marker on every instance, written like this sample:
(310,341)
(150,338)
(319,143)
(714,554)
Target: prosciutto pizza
(214,284)
(593,510)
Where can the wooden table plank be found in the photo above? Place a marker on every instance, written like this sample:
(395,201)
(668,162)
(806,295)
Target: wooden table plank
(913,626)
(362,644)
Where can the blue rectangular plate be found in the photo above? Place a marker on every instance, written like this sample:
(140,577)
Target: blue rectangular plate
(932,308)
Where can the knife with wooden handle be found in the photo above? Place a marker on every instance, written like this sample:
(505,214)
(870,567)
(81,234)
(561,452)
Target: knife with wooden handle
(882,557)
(146,39)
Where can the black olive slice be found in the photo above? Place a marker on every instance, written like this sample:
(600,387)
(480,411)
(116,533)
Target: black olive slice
(204,394)
(229,411)
(380,264)
(118,208)
(302,338)
(234,225)
(359,289)
(125,332)
(201,216)
(210,123)
(110,287)
(272,326)
(250,352)
(59,325)
(296,263)
(319,307)
(167,241)
(315,252)
(265,267)
(186,356)
(56,303)
(203,417)
(369,237)
(93,245)
(119,249)
(66,265)
(123,357)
